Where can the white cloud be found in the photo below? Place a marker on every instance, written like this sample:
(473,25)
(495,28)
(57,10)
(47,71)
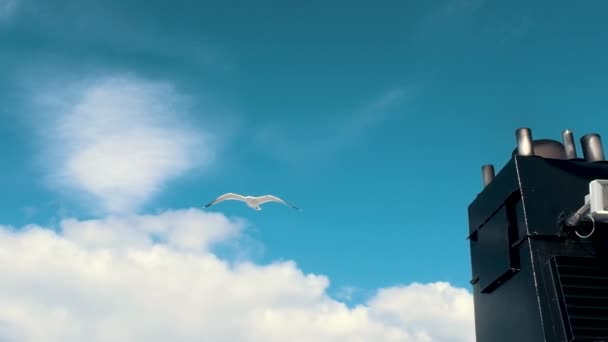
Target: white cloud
(105,280)
(429,300)
(120,139)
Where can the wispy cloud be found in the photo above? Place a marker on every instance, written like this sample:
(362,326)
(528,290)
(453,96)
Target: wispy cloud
(119,139)
(514,31)
(457,8)
(290,144)
(111,39)
(346,293)
(7,8)
(447,28)
(447,16)
(112,280)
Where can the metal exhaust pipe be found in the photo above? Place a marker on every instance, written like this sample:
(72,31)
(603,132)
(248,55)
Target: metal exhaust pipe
(487,174)
(569,145)
(592,147)
(524,142)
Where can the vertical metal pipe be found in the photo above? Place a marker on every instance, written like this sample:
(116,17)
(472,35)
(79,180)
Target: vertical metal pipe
(524,142)
(487,174)
(592,147)
(569,146)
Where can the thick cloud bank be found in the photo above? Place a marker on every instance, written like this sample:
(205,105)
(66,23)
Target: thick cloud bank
(155,278)
(129,277)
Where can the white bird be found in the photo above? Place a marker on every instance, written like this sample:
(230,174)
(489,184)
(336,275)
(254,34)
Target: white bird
(251,201)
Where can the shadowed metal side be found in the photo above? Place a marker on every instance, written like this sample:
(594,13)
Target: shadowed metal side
(592,147)
(487,174)
(569,145)
(524,142)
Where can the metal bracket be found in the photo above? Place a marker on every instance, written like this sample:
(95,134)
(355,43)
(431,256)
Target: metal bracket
(581,214)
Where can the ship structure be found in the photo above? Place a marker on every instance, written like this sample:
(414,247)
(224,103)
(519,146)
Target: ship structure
(538,235)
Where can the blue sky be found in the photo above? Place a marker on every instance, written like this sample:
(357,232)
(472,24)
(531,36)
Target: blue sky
(374,117)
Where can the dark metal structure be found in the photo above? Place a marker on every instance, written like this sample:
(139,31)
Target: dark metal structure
(535,276)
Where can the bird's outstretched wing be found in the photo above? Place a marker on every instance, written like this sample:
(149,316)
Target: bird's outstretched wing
(271,198)
(225,197)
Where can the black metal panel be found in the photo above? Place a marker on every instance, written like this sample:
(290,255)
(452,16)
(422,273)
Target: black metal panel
(581,285)
(492,256)
(511,312)
(550,187)
(493,196)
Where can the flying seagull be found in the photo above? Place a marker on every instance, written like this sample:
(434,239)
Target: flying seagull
(251,201)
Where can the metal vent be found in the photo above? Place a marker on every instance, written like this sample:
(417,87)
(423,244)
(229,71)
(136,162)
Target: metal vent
(582,287)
